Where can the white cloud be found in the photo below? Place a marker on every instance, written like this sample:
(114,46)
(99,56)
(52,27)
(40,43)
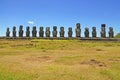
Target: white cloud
(30,22)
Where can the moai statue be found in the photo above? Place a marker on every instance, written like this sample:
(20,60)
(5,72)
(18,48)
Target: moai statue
(27,31)
(47,32)
(70,32)
(14,31)
(94,33)
(78,30)
(54,31)
(8,33)
(41,32)
(62,32)
(111,32)
(34,32)
(86,32)
(21,31)
(103,32)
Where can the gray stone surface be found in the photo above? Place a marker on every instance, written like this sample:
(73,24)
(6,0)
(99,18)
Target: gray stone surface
(27,31)
(54,32)
(70,32)
(41,32)
(21,31)
(14,31)
(8,33)
(94,33)
(103,32)
(78,30)
(47,32)
(62,32)
(111,32)
(86,33)
(34,32)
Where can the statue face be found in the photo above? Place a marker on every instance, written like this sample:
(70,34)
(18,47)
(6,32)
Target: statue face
(27,28)
(94,28)
(78,25)
(47,29)
(7,29)
(111,29)
(62,28)
(54,28)
(21,27)
(41,28)
(34,28)
(103,28)
(14,28)
(70,29)
(103,25)
(86,29)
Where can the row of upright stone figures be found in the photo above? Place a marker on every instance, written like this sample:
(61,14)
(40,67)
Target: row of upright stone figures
(62,32)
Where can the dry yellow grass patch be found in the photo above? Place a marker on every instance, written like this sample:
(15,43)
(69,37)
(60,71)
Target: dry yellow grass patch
(59,60)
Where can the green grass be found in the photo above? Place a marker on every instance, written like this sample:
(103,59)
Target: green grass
(59,60)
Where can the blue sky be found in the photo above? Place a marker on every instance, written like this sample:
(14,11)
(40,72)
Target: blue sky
(60,13)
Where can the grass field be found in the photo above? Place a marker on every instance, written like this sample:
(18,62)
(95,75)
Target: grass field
(59,60)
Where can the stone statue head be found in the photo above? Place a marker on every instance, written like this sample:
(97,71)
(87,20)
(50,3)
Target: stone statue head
(94,28)
(14,28)
(61,28)
(21,26)
(41,28)
(86,29)
(47,28)
(70,29)
(27,28)
(103,25)
(78,25)
(54,28)
(110,29)
(34,28)
(7,29)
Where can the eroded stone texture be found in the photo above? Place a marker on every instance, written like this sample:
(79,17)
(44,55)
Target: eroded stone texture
(94,33)
(86,33)
(111,32)
(62,32)
(70,32)
(54,31)
(27,31)
(21,31)
(8,33)
(103,32)
(34,32)
(41,32)
(14,31)
(47,32)
(78,30)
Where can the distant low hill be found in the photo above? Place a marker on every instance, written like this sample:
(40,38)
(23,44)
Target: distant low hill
(117,36)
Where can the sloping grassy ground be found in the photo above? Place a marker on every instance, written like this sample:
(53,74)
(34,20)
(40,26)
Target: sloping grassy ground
(59,60)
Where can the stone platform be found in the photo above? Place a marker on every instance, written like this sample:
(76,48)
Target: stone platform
(64,38)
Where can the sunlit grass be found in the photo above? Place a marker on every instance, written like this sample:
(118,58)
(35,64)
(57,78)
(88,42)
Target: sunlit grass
(59,60)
